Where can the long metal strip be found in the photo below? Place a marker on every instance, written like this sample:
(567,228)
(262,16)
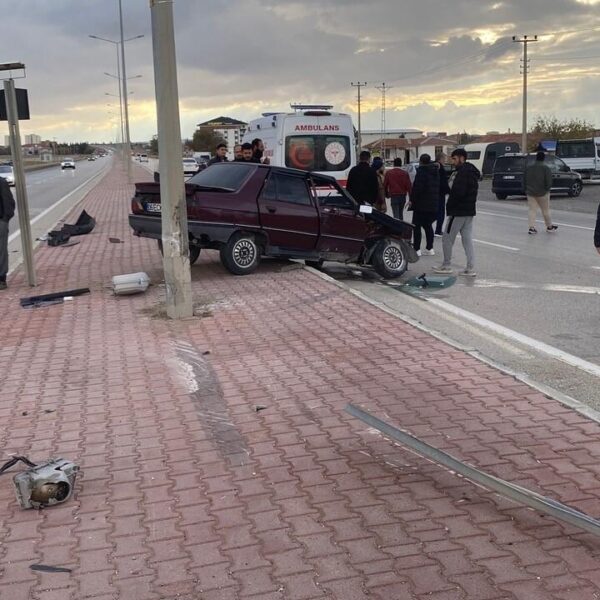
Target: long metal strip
(510,490)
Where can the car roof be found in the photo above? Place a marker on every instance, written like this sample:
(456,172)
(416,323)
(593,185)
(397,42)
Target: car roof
(287,170)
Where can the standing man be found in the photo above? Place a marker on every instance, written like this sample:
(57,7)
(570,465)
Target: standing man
(440,159)
(7,212)
(220,154)
(597,231)
(464,185)
(538,183)
(246,153)
(237,152)
(397,186)
(424,202)
(363,184)
(258,151)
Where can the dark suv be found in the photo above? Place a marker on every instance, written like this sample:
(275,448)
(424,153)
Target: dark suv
(509,176)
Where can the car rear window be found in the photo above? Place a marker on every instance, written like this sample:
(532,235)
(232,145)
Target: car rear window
(4,169)
(228,176)
(509,164)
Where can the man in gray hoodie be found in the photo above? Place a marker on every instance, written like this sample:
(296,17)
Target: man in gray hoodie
(538,182)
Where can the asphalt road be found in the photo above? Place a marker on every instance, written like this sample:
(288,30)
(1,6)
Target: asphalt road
(545,287)
(47,186)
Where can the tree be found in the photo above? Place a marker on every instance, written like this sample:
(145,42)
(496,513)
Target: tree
(206,139)
(551,127)
(154,145)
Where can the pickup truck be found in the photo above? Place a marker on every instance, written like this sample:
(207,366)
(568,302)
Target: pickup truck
(248,210)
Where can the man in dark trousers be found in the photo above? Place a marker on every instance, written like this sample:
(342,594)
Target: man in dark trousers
(397,186)
(464,186)
(363,184)
(440,159)
(220,154)
(7,212)
(424,202)
(597,231)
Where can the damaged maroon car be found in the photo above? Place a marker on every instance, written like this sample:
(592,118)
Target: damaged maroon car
(247,210)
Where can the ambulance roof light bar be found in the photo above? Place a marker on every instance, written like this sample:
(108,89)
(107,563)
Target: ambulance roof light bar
(311,106)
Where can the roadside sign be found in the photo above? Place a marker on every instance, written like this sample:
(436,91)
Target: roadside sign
(22,105)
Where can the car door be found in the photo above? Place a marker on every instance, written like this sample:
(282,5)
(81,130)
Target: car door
(288,213)
(564,175)
(559,178)
(343,228)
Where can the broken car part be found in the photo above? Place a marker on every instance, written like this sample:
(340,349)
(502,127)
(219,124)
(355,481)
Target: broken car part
(131,283)
(51,298)
(43,485)
(509,490)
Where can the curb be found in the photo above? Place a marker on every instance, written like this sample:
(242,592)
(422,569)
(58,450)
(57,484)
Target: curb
(548,391)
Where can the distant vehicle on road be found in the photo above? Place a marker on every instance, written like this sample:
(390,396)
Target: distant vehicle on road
(142,158)
(313,138)
(190,166)
(7,172)
(484,155)
(67,163)
(582,156)
(509,176)
(248,210)
(91,158)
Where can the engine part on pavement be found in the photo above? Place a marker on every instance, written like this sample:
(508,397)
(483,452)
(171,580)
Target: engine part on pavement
(43,485)
(130,283)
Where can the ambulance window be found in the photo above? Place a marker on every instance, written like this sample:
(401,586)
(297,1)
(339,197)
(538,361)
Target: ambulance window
(318,152)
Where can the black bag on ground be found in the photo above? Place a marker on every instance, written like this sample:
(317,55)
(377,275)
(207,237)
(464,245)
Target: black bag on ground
(58,237)
(84,224)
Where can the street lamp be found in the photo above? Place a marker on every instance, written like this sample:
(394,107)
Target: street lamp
(122,81)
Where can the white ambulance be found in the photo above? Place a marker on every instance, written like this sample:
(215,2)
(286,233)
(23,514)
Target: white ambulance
(312,138)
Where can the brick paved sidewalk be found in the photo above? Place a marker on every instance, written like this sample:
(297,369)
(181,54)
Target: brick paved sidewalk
(187,491)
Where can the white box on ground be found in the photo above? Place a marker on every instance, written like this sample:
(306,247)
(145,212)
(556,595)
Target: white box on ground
(130,283)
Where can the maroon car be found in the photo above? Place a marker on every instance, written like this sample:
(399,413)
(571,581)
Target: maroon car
(248,210)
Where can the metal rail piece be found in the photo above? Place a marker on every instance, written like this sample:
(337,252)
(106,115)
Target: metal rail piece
(510,490)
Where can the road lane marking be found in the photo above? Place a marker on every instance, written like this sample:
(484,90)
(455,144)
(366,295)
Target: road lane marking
(548,287)
(525,340)
(511,248)
(17,233)
(493,214)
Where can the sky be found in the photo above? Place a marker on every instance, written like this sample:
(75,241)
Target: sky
(450,66)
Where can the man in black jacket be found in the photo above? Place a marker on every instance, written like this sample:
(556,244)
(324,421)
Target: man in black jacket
(7,212)
(220,155)
(363,184)
(464,185)
(424,200)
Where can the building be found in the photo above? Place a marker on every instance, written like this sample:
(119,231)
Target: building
(409,149)
(231,130)
(371,135)
(32,139)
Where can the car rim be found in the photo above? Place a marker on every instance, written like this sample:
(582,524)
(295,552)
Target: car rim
(244,253)
(577,188)
(393,258)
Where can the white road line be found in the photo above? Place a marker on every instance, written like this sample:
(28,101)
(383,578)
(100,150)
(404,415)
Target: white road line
(548,287)
(493,214)
(17,233)
(536,345)
(497,245)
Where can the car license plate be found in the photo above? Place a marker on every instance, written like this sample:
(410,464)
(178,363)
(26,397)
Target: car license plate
(152,207)
(508,177)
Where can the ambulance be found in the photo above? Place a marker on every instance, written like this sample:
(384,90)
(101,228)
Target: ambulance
(312,138)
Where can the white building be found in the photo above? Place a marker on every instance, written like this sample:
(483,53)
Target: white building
(33,138)
(369,136)
(409,149)
(231,130)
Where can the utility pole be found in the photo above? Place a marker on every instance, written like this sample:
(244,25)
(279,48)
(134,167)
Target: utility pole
(383,89)
(525,40)
(12,116)
(125,96)
(359,85)
(175,240)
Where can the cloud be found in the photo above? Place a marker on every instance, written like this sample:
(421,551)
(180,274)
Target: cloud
(451,67)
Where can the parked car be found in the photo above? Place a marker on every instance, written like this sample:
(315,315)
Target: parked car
(8,173)
(248,210)
(143,158)
(190,166)
(508,178)
(67,163)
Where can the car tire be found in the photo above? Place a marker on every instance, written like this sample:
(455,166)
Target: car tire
(194,252)
(501,196)
(241,254)
(315,264)
(575,189)
(389,259)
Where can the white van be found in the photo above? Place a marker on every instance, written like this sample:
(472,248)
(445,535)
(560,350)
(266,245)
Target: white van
(582,156)
(484,155)
(311,139)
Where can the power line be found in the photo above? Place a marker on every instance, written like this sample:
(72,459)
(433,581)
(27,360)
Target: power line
(525,40)
(359,85)
(383,88)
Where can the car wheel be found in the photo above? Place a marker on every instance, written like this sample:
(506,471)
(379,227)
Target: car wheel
(241,254)
(575,189)
(315,264)
(501,196)
(389,259)
(194,252)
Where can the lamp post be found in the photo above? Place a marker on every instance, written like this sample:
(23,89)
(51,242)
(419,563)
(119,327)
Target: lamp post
(122,81)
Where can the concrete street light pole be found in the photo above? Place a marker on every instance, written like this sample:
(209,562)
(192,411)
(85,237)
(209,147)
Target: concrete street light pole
(20,187)
(125,98)
(525,40)
(172,189)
